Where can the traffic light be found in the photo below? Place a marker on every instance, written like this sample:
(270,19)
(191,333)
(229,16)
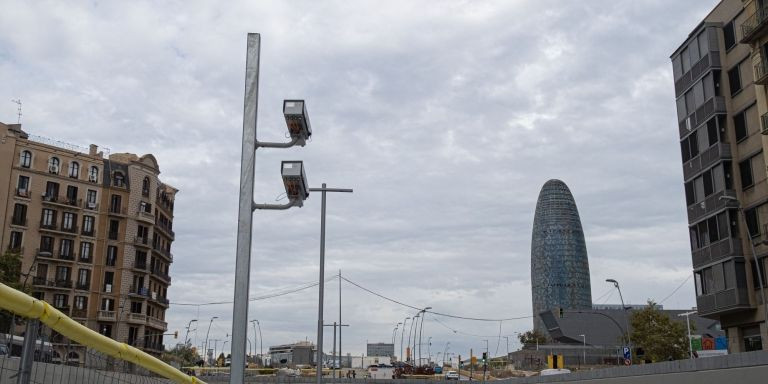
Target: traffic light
(176,335)
(485,357)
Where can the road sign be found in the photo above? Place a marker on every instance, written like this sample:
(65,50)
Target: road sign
(627,362)
(627,353)
(474,360)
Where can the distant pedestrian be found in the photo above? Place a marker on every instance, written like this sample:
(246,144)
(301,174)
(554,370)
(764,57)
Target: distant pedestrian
(354,374)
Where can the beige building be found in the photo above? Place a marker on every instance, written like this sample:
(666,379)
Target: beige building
(95,234)
(720,73)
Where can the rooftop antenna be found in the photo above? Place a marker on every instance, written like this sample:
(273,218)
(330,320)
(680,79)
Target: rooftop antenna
(18,111)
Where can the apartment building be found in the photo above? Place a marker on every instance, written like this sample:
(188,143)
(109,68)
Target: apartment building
(95,235)
(719,80)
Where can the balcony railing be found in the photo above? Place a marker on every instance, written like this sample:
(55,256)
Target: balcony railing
(23,192)
(107,315)
(73,201)
(140,291)
(716,251)
(79,313)
(70,229)
(705,159)
(167,254)
(64,283)
(48,225)
(146,216)
(761,72)
(709,205)
(712,106)
(142,265)
(45,253)
(754,25)
(142,241)
(157,323)
(764,124)
(729,300)
(161,274)
(115,210)
(89,233)
(137,318)
(707,61)
(39,280)
(86,259)
(90,205)
(163,301)
(50,198)
(20,221)
(83,286)
(67,256)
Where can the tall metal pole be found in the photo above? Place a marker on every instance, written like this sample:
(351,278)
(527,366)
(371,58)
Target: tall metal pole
(321,289)
(253,323)
(402,334)
(688,325)
(333,362)
(186,337)
(205,351)
(261,341)
(340,359)
(626,315)
(424,314)
(321,285)
(27,352)
(245,210)
(409,351)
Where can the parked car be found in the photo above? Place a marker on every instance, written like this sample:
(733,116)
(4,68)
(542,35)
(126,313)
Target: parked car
(451,375)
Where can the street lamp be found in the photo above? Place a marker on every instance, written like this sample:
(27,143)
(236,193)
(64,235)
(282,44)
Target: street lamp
(410,331)
(254,323)
(294,180)
(754,254)
(688,325)
(394,332)
(423,311)
(186,337)
(584,350)
(321,285)
(205,351)
(402,334)
(626,315)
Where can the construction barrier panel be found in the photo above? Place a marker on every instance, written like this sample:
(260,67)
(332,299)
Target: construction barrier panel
(29,307)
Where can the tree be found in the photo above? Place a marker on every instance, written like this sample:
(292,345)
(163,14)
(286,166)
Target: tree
(532,337)
(10,275)
(183,355)
(660,337)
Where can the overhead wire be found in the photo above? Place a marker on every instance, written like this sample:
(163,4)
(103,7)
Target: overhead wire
(676,289)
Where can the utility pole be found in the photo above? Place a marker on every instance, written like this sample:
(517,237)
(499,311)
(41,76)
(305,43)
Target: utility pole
(333,360)
(340,359)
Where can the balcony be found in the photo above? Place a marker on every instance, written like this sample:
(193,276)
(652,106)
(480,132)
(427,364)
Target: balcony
(67,256)
(168,232)
(710,205)
(40,281)
(141,242)
(162,275)
(106,315)
(147,217)
(761,72)
(157,323)
(23,192)
(754,26)
(20,221)
(71,229)
(705,159)
(118,211)
(50,226)
(727,301)
(80,313)
(162,252)
(140,265)
(85,259)
(83,286)
(710,60)
(45,253)
(139,292)
(73,202)
(89,233)
(716,251)
(66,284)
(764,124)
(159,347)
(91,206)
(710,107)
(136,318)
(163,301)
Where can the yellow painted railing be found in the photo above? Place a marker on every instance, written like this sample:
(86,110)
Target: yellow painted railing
(27,306)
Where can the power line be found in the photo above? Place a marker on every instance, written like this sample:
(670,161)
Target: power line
(676,289)
(432,312)
(265,296)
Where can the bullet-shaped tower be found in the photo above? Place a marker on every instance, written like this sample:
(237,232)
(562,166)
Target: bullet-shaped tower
(559,264)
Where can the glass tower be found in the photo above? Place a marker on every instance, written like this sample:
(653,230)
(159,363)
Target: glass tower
(559,264)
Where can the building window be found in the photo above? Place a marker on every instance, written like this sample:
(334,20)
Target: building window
(19,215)
(114,228)
(53,165)
(118,179)
(66,249)
(62,273)
(745,170)
(93,174)
(22,187)
(753,226)
(16,241)
(740,125)
(49,218)
(46,244)
(734,80)
(68,220)
(86,252)
(111,256)
(730,35)
(109,277)
(90,199)
(74,169)
(105,329)
(81,303)
(752,339)
(84,279)
(107,304)
(26,159)
(145,207)
(60,301)
(72,195)
(88,223)
(136,307)
(115,204)
(145,186)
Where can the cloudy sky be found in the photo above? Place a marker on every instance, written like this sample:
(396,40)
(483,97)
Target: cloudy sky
(446,117)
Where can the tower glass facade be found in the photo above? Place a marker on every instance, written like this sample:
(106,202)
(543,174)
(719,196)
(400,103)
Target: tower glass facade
(559,264)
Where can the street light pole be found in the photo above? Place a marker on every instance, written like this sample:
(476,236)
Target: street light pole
(410,331)
(584,350)
(394,334)
(186,337)
(626,315)
(424,314)
(402,334)
(321,285)
(205,352)
(688,325)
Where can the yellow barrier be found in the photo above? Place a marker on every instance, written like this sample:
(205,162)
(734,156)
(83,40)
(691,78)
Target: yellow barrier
(27,306)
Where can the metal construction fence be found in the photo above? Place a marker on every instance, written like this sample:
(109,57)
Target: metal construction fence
(54,348)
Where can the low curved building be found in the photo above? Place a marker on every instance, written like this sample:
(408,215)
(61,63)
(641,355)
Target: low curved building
(559,264)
